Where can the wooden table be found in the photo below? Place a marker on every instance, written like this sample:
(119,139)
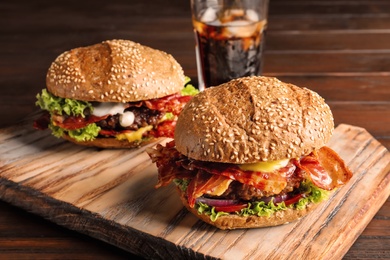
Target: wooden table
(341,49)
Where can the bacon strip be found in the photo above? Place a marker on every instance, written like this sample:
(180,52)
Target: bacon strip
(172,103)
(324,167)
(75,122)
(202,183)
(167,160)
(206,176)
(164,129)
(273,182)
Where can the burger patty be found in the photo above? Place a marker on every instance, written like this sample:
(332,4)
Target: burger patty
(240,191)
(143,116)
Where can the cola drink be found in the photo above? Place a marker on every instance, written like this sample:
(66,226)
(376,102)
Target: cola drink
(228,45)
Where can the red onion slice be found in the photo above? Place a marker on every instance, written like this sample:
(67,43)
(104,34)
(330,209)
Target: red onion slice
(217,202)
(275,199)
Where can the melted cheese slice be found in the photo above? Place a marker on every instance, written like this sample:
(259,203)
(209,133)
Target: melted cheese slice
(134,136)
(264,166)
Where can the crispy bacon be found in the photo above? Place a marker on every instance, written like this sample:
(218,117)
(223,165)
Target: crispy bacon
(273,182)
(166,161)
(164,129)
(201,184)
(75,122)
(324,167)
(69,123)
(172,103)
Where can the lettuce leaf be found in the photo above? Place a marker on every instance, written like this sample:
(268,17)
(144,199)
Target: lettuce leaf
(58,105)
(167,116)
(261,208)
(206,209)
(88,133)
(70,107)
(181,183)
(189,89)
(316,195)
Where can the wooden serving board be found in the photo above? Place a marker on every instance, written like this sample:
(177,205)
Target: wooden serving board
(110,195)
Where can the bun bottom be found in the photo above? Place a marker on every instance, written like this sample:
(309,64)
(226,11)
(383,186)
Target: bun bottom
(109,142)
(252,221)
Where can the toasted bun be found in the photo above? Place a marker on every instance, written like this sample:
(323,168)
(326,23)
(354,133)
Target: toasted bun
(253,119)
(114,71)
(108,142)
(240,222)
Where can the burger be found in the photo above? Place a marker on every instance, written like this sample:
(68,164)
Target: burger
(114,94)
(251,153)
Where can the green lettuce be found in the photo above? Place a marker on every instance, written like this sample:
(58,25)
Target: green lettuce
(58,105)
(168,116)
(181,183)
(206,209)
(261,208)
(71,107)
(87,133)
(189,89)
(316,195)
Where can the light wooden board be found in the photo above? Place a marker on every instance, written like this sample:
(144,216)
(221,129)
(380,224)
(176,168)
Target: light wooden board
(110,195)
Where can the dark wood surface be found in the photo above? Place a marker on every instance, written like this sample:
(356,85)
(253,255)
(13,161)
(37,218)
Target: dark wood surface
(341,49)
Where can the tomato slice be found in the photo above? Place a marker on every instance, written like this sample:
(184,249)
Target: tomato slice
(293,200)
(231,208)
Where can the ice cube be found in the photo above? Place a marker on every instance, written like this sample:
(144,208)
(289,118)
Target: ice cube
(235,12)
(209,15)
(252,15)
(240,28)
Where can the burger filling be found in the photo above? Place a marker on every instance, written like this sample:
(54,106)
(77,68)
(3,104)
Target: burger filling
(256,189)
(132,121)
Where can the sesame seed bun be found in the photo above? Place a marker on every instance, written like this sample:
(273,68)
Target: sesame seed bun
(234,221)
(253,119)
(114,71)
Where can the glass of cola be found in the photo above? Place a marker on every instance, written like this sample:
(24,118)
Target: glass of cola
(229,37)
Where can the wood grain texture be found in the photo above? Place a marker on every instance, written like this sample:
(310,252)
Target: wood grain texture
(110,195)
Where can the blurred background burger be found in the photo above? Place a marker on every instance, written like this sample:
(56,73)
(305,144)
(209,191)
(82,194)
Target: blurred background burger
(114,94)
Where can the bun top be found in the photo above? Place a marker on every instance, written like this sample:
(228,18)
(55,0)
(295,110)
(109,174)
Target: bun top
(114,71)
(253,119)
